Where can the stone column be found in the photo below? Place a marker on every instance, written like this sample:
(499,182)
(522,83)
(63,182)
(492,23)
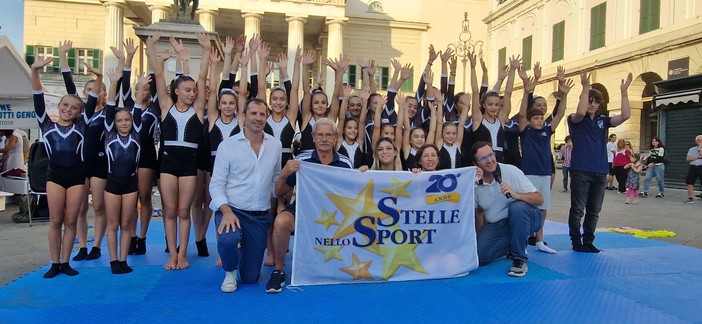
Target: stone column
(114,33)
(158,12)
(296,38)
(252,24)
(335,46)
(207,18)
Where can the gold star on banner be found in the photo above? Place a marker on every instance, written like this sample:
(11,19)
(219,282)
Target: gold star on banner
(355,208)
(398,188)
(358,270)
(331,252)
(327,219)
(395,256)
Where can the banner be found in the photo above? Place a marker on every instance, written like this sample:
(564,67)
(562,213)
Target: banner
(381,226)
(19,113)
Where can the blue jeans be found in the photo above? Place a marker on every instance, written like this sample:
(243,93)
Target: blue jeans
(566,174)
(586,194)
(657,171)
(509,235)
(253,236)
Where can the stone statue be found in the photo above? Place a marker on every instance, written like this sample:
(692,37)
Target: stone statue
(181,7)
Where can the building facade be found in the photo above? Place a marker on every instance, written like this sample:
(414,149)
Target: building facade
(370,29)
(653,39)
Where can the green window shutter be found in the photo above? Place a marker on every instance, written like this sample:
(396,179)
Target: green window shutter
(384,78)
(72,60)
(408,85)
(352,75)
(501,57)
(55,65)
(558,43)
(598,25)
(96,58)
(29,54)
(526,53)
(650,16)
(655,14)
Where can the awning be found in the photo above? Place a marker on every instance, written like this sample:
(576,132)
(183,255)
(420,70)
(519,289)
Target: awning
(676,97)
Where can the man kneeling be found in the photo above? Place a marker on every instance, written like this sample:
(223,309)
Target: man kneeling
(505,212)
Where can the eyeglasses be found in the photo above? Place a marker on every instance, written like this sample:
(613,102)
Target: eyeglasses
(325,135)
(484,158)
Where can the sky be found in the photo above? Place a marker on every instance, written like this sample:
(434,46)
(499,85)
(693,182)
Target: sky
(12,22)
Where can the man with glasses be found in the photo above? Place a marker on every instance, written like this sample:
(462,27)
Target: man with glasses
(324,133)
(505,210)
(588,165)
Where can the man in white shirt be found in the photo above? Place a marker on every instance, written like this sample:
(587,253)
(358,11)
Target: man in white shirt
(611,150)
(245,171)
(505,212)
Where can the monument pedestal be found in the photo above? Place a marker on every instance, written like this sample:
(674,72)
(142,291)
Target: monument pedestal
(181,31)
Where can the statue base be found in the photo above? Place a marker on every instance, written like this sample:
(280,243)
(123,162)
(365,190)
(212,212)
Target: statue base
(185,31)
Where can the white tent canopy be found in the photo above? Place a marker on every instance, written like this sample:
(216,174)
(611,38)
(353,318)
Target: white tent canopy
(16,105)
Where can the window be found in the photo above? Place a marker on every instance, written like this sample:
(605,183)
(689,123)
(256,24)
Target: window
(382,79)
(75,56)
(598,25)
(526,53)
(501,57)
(650,16)
(558,43)
(350,76)
(375,7)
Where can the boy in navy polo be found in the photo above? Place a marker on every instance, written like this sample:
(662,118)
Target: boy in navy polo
(588,165)
(535,135)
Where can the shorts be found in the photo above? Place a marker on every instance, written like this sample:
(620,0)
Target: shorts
(178,161)
(66,177)
(543,186)
(148,158)
(204,158)
(96,167)
(291,208)
(121,185)
(693,173)
(611,169)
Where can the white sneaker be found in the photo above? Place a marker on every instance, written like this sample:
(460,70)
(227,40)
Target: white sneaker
(543,248)
(229,283)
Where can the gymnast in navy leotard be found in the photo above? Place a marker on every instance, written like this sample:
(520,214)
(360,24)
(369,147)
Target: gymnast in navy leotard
(122,148)
(182,118)
(63,140)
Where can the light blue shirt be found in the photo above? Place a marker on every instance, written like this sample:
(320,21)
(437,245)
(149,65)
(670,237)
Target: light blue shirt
(695,151)
(242,179)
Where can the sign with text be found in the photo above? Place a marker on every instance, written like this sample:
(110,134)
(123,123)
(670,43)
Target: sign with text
(382,226)
(19,113)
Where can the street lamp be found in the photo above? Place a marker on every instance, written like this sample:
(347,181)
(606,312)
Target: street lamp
(466,45)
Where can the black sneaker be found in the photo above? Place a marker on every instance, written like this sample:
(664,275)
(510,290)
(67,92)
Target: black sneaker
(519,269)
(644,194)
(689,200)
(133,245)
(276,283)
(660,195)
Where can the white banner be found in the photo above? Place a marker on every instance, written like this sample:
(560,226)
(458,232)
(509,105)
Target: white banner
(382,226)
(19,113)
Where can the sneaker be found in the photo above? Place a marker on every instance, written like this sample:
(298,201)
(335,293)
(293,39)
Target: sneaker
(276,283)
(699,196)
(519,269)
(689,200)
(644,194)
(660,195)
(229,283)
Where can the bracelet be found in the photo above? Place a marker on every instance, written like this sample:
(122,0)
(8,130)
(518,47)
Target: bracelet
(453,74)
(429,63)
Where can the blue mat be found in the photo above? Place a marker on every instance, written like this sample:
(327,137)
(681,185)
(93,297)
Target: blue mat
(632,281)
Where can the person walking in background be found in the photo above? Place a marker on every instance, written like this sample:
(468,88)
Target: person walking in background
(632,180)
(621,159)
(566,154)
(694,157)
(611,149)
(655,166)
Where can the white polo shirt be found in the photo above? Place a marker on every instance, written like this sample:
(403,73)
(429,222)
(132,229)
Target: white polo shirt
(489,196)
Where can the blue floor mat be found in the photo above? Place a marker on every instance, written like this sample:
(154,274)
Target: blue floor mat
(632,281)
